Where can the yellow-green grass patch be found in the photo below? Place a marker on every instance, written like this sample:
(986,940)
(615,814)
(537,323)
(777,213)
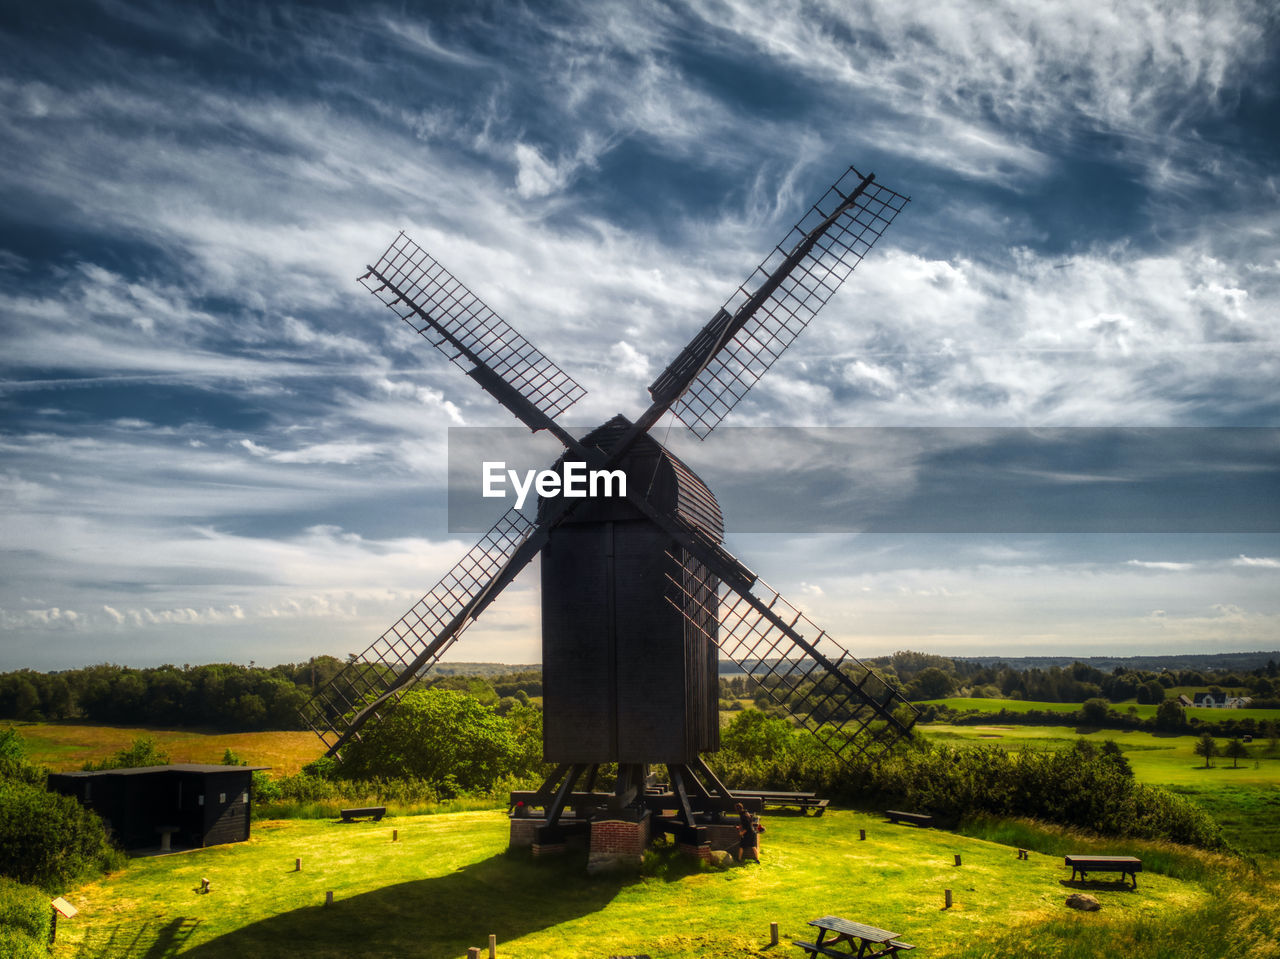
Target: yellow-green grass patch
(64,746)
(448,883)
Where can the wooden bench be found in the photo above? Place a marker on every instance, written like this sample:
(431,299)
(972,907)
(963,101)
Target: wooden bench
(805,802)
(377,812)
(919,818)
(1125,865)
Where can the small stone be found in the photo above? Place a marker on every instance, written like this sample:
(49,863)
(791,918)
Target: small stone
(721,858)
(1078,900)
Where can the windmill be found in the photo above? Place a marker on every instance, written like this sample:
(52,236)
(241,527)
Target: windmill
(640,599)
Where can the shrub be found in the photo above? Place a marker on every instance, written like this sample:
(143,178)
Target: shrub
(45,839)
(1085,787)
(448,739)
(18,945)
(24,911)
(50,840)
(142,752)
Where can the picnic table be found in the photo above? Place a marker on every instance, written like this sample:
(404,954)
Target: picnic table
(803,801)
(858,940)
(1125,865)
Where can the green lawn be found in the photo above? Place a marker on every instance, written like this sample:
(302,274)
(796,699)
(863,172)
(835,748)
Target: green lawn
(1144,710)
(448,883)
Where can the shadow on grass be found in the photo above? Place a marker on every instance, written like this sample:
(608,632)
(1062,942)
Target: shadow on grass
(149,940)
(1113,885)
(507,895)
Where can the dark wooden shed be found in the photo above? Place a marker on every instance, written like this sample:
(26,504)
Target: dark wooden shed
(195,804)
(626,677)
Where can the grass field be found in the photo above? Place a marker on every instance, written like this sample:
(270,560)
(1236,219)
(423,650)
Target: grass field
(68,746)
(1245,800)
(1144,710)
(448,883)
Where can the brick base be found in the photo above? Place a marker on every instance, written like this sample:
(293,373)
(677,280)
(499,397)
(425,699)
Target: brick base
(723,836)
(548,849)
(702,852)
(524,831)
(618,844)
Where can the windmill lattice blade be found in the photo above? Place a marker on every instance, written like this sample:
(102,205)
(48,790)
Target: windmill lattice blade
(416,641)
(848,708)
(455,321)
(727,370)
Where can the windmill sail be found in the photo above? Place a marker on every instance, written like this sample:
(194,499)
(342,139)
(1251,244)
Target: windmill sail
(771,308)
(457,323)
(421,636)
(845,704)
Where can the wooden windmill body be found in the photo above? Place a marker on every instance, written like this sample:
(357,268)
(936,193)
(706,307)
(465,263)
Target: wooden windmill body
(628,676)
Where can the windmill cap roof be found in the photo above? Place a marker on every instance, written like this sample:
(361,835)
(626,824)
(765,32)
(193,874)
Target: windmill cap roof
(664,480)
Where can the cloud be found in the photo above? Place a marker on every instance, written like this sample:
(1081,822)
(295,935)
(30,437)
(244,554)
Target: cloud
(629,362)
(1256,562)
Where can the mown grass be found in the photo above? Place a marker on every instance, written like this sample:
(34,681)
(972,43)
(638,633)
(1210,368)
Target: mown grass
(1240,915)
(449,882)
(66,746)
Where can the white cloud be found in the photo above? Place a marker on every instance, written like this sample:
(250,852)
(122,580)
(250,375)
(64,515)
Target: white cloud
(630,362)
(1256,562)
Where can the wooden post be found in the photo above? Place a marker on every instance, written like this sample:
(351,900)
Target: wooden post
(493,946)
(395,835)
(473,952)
(773,933)
(946,896)
(328,897)
(297,865)
(862,834)
(957,859)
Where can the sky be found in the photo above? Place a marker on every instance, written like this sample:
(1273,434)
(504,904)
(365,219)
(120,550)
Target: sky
(216,446)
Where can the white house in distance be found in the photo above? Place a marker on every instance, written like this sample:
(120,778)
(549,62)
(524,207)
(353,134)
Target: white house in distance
(1220,701)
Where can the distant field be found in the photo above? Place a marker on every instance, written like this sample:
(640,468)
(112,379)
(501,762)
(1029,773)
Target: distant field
(1144,710)
(1155,757)
(68,746)
(1245,800)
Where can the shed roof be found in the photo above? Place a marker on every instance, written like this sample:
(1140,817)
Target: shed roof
(171,767)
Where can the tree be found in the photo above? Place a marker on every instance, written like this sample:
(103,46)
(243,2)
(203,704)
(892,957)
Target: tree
(443,736)
(1206,747)
(931,683)
(1236,751)
(1170,716)
(1094,712)
(1111,753)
